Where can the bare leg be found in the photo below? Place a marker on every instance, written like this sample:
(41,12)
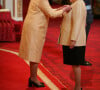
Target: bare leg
(33,72)
(77,72)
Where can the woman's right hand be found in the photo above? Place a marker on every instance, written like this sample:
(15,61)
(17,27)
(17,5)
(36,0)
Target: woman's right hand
(72,44)
(66,8)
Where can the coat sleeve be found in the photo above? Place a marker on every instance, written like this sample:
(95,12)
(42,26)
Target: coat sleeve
(77,17)
(48,10)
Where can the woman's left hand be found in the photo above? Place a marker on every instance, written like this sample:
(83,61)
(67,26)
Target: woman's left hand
(72,44)
(66,8)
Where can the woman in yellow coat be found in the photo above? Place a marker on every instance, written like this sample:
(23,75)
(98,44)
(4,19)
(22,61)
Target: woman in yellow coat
(73,38)
(34,32)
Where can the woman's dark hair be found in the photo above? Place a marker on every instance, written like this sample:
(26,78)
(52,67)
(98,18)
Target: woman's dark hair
(66,2)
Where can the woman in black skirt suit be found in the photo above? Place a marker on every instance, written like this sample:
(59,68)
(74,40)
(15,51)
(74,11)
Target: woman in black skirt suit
(73,38)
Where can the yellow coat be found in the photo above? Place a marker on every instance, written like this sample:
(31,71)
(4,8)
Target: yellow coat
(35,28)
(73,25)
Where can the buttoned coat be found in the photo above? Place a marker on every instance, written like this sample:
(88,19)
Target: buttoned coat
(35,28)
(73,25)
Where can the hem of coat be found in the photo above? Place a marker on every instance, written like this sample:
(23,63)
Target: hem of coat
(29,60)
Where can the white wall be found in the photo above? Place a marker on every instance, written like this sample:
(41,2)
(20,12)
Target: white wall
(9,5)
(18,11)
(1,2)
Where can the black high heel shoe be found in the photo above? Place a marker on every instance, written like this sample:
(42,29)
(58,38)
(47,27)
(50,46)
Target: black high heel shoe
(33,83)
(81,88)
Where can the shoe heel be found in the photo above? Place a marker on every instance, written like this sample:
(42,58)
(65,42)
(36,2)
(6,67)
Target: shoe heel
(30,84)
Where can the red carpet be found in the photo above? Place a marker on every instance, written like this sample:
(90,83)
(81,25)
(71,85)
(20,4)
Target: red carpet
(53,55)
(14,73)
(53,61)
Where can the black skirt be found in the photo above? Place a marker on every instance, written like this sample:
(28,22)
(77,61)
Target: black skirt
(74,56)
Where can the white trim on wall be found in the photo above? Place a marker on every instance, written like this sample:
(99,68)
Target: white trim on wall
(16,18)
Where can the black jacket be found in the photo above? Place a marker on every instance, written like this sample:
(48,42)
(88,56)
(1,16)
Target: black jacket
(89,18)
